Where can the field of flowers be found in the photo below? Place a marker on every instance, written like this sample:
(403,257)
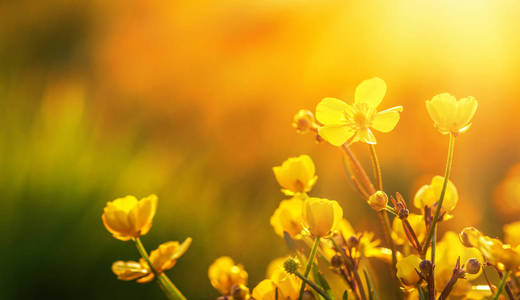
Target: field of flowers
(259,150)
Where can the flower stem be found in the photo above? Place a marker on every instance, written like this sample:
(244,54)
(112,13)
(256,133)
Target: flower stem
(312,285)
(309,265)
(501,285)
(433,226)
(171,291)
(376,166)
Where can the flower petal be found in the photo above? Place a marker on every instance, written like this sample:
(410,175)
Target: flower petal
(370,91)
(331,111)
(337,135)
(386,120)
(366,136)
(466,108)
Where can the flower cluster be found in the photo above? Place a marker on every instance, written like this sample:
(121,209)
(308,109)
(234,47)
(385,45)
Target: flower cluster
(329,259)
(128,218)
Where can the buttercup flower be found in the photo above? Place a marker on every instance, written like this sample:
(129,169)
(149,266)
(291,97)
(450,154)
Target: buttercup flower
(163,258)
(127,218)
(447,251)
(451,115)
(493,250)
(288,284)
(265,290)
(130,270)
(417,224)
(321,216)
(429,195)
(224,274)
(406,270)
(512,234)
(288,218)
(343,122)
(296,175)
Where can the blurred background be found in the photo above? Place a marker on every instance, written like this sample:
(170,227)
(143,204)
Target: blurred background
(193,101)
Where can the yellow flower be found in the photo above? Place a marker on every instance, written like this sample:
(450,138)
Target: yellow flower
(447,251)
(288,285)
(288,218)
(492,249)
(163,258)
(265,290)
(417,224)
(275,264)
(429,195)
(129,270)
(406,270)
(512,233)
(224,274)
(451,115)
(296,175)
(321,216)
(127,218)
(343,122)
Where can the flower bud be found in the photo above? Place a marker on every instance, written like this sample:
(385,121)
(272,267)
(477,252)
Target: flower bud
(240,292)
(337,261)
(352,242)
(303,121)
(378,201)
(321,216)
(307,295)
(472,266)
(426,268)
(291,265)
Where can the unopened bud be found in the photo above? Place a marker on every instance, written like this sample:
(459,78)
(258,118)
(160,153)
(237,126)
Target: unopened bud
(240,292)
(469,236)
(307,295)
(472,266)
(303,121)
(291,265)
(337,261)
(378,201)
(426,268)
(352,242)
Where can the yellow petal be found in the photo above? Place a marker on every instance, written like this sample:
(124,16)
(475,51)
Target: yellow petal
(386,120)
(331,111)
(367,136)
(265,290)
(466,108)
(370,91)
(337,135)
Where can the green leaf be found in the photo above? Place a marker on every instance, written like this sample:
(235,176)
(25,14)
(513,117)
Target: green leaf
(345,295)
(321,281)
(370,286)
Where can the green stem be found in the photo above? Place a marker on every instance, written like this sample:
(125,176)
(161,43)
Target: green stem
(171,291)
(313,285)
(309,265)
(431,230)
(501,285)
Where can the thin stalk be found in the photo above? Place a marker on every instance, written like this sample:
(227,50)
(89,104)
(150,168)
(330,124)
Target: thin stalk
(171,291)
(501,285)
(309,265)
(376,166)
(359,170)
(313,285)
(431,230)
